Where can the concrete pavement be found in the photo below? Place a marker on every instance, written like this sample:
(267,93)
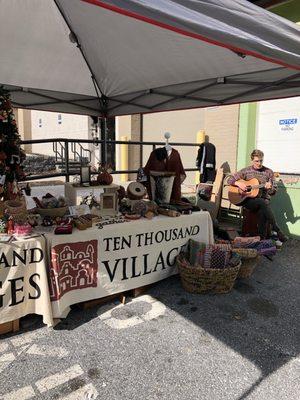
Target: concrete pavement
(168,344)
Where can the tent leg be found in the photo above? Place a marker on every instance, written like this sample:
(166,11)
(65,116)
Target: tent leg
(103,127)
(141,139)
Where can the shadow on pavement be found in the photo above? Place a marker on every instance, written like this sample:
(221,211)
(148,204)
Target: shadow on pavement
(259,319)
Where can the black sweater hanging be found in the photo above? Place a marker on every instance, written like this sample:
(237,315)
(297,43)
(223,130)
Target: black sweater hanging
(206,162)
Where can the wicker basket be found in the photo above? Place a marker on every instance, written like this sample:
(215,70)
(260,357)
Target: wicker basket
(52,212)
(248,267)
(17,209)
(204,280)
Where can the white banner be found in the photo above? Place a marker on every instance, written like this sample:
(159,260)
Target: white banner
(99,262)
(23,280)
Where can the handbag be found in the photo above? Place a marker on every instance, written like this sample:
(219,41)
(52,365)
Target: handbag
(204,191)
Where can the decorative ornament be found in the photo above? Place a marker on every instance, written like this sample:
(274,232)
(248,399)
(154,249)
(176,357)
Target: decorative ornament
(15,188)
(10,226)
(104,177)
(3,225)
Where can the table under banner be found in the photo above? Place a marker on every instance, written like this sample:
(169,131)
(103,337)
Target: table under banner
(23,280)
(100,262)
(47,274)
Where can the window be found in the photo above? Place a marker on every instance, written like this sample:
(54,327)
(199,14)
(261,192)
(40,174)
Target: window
(59,119)
(40,122)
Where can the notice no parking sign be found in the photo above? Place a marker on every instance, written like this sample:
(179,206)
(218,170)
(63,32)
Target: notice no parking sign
(288,124)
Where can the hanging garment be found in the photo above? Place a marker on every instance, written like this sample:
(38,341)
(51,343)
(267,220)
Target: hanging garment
(160,161)
(206,162)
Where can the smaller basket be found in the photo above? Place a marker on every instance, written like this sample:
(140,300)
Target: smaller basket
(248,266)
(203,280)
(52,212)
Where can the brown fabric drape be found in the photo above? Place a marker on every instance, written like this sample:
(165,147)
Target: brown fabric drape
(170,164)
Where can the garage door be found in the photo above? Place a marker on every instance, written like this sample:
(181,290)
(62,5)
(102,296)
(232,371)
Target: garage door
(278,134)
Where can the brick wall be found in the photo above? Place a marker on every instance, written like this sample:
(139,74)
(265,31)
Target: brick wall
(222,125)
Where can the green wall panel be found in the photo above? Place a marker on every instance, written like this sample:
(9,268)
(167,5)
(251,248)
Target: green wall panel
(290,10)
(247,133)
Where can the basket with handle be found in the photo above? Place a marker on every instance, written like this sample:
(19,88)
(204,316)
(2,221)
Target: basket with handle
(52,212)
(250,260)
(196,279)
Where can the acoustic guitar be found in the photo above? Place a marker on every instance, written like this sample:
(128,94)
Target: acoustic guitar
(236,195)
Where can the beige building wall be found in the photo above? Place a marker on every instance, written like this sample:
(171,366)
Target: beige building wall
(123,132)
(222,127)
(23,119)
(33,124)
(45,125)
(221,124)
(134,154)
(182,125)
(123,126)
(128,157)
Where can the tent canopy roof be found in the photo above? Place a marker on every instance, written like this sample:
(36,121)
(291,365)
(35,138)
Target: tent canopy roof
(116,57)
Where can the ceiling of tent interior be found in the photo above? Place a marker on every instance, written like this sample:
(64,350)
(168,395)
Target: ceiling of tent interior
(117,57)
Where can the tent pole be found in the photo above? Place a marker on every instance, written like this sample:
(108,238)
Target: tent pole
(104,128)
(141,139)
(103,137)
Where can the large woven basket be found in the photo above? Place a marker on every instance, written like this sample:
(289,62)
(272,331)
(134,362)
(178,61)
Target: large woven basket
(204,280)
(248,266)
(52,212)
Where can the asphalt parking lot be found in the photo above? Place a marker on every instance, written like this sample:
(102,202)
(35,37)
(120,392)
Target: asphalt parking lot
(168,344)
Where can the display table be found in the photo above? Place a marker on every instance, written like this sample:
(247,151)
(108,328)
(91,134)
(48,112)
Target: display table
(119,257)
(23,280)
(92,264)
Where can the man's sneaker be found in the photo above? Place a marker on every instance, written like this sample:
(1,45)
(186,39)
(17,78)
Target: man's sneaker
(282,237)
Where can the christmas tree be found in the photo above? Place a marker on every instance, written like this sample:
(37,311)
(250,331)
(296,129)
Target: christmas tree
(11,155)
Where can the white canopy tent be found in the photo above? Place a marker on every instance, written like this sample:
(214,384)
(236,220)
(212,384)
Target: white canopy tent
(116,57)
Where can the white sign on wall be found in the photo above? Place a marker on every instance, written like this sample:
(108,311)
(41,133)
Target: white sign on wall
(278,134)
(288,124)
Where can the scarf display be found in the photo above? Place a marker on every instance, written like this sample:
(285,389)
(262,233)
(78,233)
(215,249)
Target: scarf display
(246,246)
(210,256)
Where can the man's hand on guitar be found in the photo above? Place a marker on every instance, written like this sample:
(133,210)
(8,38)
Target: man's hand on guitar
(244,189)
(241,185)
(268,185)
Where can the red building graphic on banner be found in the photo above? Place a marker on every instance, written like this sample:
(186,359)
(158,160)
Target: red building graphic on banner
(73,266)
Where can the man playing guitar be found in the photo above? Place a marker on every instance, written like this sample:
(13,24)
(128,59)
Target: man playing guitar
(261,204)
